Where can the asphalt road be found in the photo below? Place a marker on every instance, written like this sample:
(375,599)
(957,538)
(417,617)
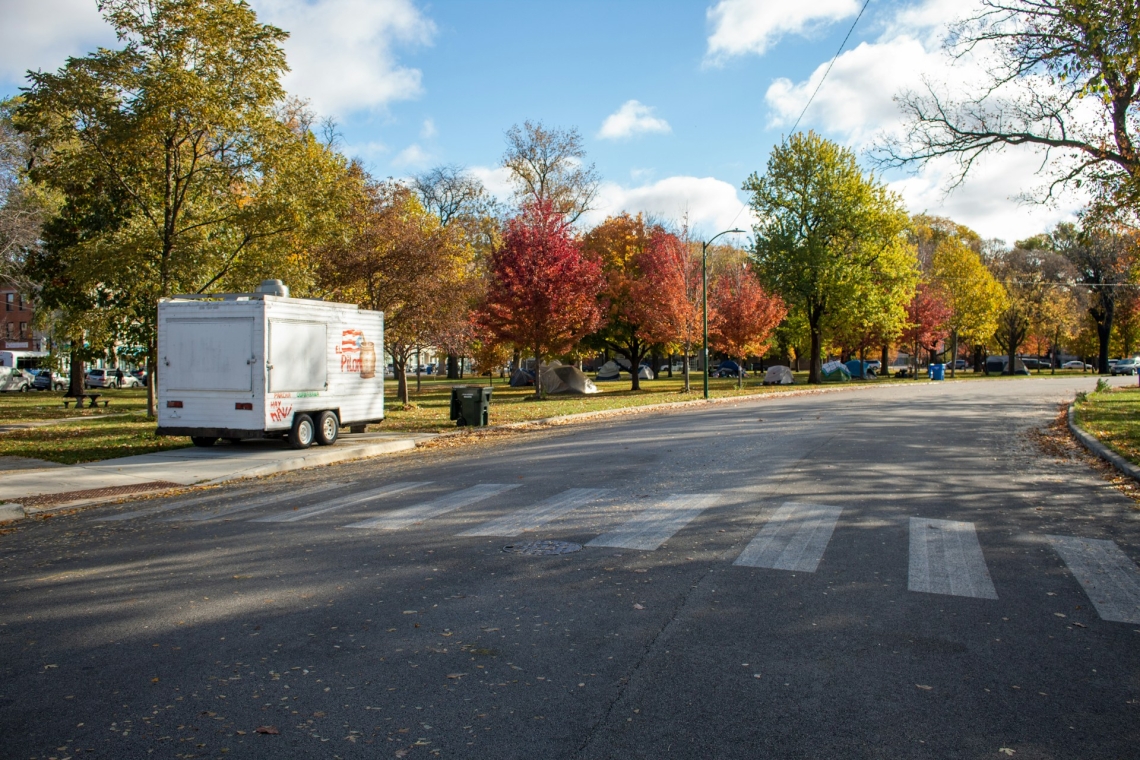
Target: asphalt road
(849,575)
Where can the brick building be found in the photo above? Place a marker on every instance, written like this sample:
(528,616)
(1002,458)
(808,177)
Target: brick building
(16,322)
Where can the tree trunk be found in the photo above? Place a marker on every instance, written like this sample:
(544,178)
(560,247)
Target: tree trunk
(670,370)
(419,371)
(953,352)
(401,368)
(1103,319)
(740,375)
(152,380)
(516,361)
(75,388)
(452,367)
(884,361)
(685,369)
(537,373)
(815,368)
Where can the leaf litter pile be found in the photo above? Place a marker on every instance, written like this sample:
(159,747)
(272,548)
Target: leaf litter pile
(1056,440)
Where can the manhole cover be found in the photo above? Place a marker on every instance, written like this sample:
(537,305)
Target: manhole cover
(540,548)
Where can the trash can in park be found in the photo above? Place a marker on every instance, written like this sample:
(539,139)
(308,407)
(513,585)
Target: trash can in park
(937,371)
(470,405)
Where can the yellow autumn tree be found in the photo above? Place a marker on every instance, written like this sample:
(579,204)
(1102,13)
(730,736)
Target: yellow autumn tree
(976,299)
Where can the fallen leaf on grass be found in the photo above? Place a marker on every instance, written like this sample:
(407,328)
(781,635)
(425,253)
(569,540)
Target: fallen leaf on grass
(267,730)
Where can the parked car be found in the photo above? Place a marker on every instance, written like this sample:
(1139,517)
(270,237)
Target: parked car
(1034,363)
(1126,367)
(15,379)
(874,364)
(109,378)
(1076,364)
(957,365)
(46,380)
(128,380)
(141,376)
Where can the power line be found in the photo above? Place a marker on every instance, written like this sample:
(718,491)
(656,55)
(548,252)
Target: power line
(833,60)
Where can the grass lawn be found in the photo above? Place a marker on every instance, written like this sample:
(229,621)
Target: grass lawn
(1113,416)
(103,435)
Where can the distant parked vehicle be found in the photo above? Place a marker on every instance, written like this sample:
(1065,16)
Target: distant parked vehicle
(128,380)
(1126,367)
(14,379)
(46,380)
(101,378)
(141,376)
(1076,364)
(958,364)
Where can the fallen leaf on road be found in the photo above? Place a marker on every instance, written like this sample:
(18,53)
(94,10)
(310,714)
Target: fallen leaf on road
(267,730)
(638,607)
(401,753)
(456,675)
(924,687)
(1080,625)
(1007,751)
(1059,614)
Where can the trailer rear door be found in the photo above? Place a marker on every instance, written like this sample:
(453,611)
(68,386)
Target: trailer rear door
(209,354)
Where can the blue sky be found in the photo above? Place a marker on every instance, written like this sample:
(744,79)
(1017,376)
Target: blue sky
(677,102)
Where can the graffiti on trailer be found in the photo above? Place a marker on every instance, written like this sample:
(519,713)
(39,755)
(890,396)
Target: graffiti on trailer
(279,412)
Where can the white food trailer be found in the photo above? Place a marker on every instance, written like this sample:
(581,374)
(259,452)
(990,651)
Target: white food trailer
(263,365)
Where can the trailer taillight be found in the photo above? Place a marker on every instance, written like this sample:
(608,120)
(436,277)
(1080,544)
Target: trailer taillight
(244,405)
(173,404)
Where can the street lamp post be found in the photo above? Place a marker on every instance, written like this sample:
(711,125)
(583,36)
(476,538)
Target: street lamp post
(705,306)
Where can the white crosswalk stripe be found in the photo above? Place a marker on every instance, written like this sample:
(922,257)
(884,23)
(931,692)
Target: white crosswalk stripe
(535,517)
(794,539)
(658,523)
(273,498)
(170,506)
(348,500)
(1110,579)
(946,558)
(402,518)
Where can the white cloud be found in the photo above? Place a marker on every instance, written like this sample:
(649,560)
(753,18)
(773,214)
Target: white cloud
(740,27)
(856,106)
(413,157)
(428,130)
(497,181)
(709,205)
(41,34)
(341,51)
(633,118)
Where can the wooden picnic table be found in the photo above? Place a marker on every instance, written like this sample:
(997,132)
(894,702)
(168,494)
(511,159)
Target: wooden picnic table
(79,401)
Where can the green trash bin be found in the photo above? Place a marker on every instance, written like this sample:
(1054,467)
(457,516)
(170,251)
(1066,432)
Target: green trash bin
(471,405)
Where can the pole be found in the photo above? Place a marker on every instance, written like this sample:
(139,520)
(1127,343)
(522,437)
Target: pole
(705,305)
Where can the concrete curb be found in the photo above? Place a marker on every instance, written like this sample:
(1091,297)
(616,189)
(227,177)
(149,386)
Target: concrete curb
(1098,448)
(318,458)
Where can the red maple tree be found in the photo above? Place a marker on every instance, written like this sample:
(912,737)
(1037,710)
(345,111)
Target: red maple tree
(543,291)
(928,318)
(743,316)
(671,275)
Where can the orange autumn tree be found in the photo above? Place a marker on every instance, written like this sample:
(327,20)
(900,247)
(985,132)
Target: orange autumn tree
(743,316)
(671,272)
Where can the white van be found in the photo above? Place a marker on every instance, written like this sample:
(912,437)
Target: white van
(259,365)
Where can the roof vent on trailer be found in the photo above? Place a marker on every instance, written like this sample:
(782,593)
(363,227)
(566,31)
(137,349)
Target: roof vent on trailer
(273,288)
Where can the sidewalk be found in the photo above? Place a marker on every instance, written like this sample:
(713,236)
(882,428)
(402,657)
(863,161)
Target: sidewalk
(27,491)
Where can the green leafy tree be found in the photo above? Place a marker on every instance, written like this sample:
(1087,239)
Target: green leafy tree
(181,166)
(827,235)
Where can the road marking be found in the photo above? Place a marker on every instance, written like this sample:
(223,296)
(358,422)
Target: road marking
(402,518)
(534,518)
(657,524)
(946,558)
(1109,578)
(794,539)
(273,498)
(212,496)
(297,515)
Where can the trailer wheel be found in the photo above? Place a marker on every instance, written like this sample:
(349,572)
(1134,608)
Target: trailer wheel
(303,432)
(328,426)
(203,441)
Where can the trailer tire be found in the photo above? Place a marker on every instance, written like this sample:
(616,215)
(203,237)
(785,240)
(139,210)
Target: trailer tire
(328,426)
(203,441)
(303,432)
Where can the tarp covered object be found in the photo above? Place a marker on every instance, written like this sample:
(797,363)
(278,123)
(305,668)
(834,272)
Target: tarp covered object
(836,371)
(645,373)
(609,371)
(568,379)
(861,369)
(778,376)
(522,378)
